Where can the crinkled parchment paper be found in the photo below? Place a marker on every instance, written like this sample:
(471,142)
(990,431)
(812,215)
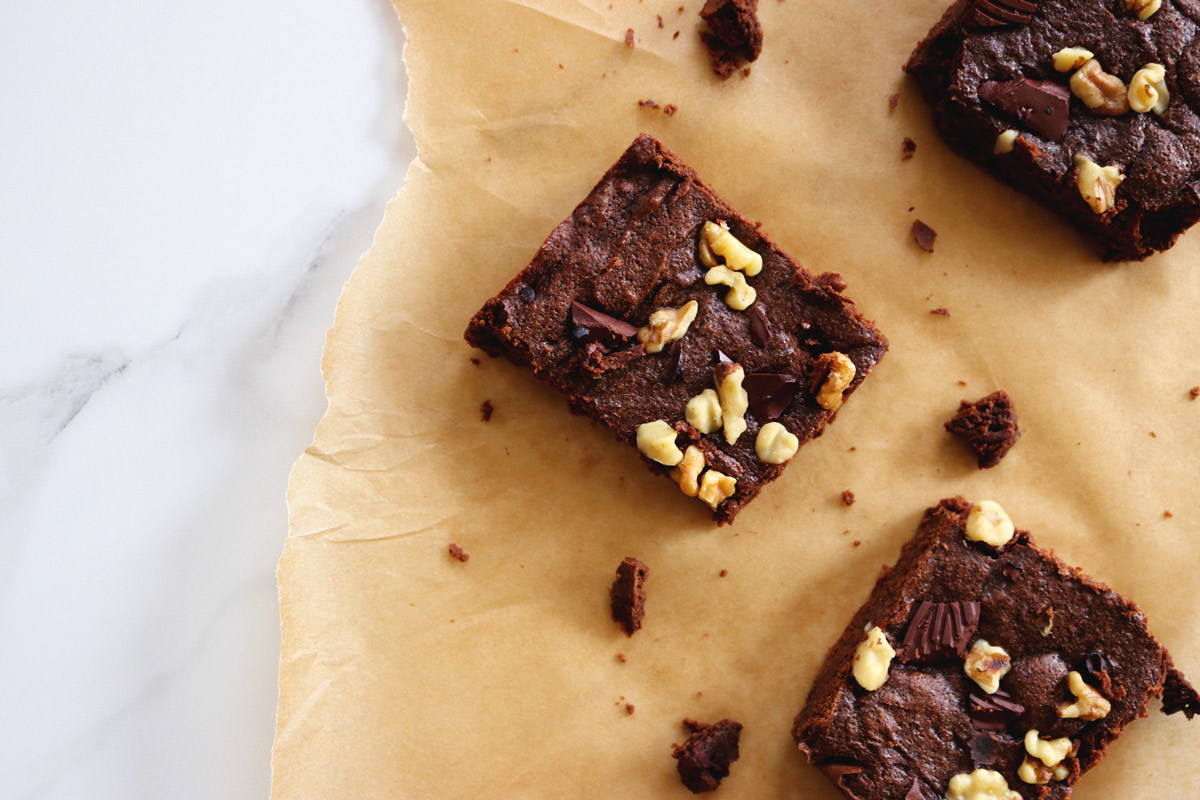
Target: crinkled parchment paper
(407,674)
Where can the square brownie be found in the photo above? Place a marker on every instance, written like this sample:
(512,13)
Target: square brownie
(663,314)
(1065,101)
(976,650)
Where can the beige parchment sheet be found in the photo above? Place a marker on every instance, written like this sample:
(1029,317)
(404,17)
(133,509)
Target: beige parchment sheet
(406,674)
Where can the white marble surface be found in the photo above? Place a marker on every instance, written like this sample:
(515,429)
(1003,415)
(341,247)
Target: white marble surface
(184,187)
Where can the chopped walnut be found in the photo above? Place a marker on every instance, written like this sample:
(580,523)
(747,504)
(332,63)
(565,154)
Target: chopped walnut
(1089,703)
(716,488)
(666,325)
(1098,185)
(1100,91)
(688,470)
(841,374)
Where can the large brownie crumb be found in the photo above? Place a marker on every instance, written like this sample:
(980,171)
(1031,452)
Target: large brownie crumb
(628,595)
(705,757)
(736,34)
(988,426)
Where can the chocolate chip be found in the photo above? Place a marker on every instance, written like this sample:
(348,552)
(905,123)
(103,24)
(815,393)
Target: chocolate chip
(939,630)
(674,358)
(985,749)
(996,13)
(770,393)
(923,235)
(993,712)
(1043,106)
(526,293)
(598,326)
(760,327)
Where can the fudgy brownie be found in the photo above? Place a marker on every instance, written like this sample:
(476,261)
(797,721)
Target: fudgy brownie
(979,661)
(1090,108)
(666,316)
(736,35)
(705,757)
(988,426)
(628,595)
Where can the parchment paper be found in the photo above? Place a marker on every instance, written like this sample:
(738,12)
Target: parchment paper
(407,674)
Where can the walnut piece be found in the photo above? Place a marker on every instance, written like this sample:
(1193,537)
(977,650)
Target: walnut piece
(1034,771)
(986,664)
(775,444)
(987,522)
(716,240)
(716,488)
(657,441)
(1050,752)
(1148,90)
(741,295)
(1145,9)
(1071,58)
(734,400)
(1004,142)
(1097,185)
(689,470)
(1089,703)
(872,659)
(703,412)
(841,373)
(1103,93)
(982,784)
(666,325)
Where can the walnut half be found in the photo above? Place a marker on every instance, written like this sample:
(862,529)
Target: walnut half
(1097,185)
(1101,92)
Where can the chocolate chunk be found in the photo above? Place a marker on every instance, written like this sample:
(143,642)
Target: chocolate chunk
(770,393)
(628,595)
(596,326)
(993,712)
(705,757)
(760,327)
(988,426)
(923,235)
(995,13)
(1042,106)
(458,553)
(1178,695)
(985,749)
(1098,670)
(526,293)
(939,631)
(674,359)
(723,359)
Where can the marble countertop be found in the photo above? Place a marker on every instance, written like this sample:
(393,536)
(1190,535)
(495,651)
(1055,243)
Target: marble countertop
(185,189)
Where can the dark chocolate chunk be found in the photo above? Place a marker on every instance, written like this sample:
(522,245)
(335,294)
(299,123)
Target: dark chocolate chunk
(988,426)
(760,327)
(705,757)
(1178,695)
(993,712)
(923,235)
(628,595)
(458,553)
(994,13)
(1042,106)
(770,393)
(599,327)
(985,749)
(674,359)
(1098,671)
(939,631)
(526,293)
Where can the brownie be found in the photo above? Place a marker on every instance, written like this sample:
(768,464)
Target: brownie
(736,35)
(951,604)
(988,426)
(628,595)
(577,313)
(705,757)
(988,67)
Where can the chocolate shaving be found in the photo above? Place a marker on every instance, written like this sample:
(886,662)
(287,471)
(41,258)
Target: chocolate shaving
(723,359)
(1178,695)
(628,595)
(1042,106)
(760,327)
(705,757)
(993,712)
(770,393)
(996,13)
(939,630)
(985,749)
(596,326)
(923,235)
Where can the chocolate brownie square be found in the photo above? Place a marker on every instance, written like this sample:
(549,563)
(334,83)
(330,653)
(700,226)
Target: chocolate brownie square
(981,660)
(664,315)
(1090,108)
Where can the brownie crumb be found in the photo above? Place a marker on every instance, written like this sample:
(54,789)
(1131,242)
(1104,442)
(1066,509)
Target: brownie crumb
(628,595)
(458,553)
(1167,514)
(988,426)
(1178,695)
(629,708)
(1194,392)
(941,312)
(476,361)
(669,109)
(629,37)
(676,36)
(893,99)
(485,410)
(848,497)
(722,573)
(908,147)
(647,104)
(856,543)
(705,757)
(746,72)
(923,235)
(735,36)
(622,658)
(660,22)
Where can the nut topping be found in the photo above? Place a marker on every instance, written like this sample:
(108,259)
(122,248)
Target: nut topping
(716,240)
(689,470)
(716,488)
(741,295)
(872,659)
(986,664)
(1004,142)
(1050,752)
(1148,90)
(982,784)
(1034,771)
(987,523)
(1145,9)
(657,441)
(703,412)
(734,399)
(1071,58)
(1089,703)
(1100,91)
(775,444)
(667,325)
(1098,185)
(841,373)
